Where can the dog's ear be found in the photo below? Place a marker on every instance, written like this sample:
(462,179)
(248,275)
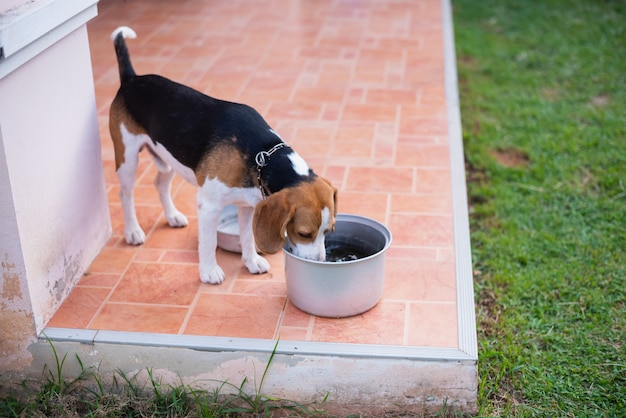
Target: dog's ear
(334,200)
(335,204)
(334,196)
(269,224)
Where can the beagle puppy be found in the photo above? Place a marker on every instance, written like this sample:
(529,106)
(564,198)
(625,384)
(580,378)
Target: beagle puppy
(231,154)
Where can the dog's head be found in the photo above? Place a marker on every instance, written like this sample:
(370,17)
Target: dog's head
(300,216)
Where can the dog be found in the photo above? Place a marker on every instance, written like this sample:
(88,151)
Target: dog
(231,154)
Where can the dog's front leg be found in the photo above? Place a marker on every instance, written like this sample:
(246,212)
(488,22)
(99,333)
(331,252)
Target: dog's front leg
(253,261)
(126,173)
(208,218)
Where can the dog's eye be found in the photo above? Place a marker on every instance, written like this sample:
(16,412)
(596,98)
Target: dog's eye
(305,235)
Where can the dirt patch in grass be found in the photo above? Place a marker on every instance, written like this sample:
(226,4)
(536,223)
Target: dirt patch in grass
(474,174)
(510,157)
(601,100)
(489,311)
(550,94)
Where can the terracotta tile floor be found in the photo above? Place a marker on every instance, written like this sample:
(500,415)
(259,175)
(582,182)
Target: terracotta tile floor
(358,89)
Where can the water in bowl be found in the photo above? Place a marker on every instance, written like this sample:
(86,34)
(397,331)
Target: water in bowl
(338,254)
(342,248)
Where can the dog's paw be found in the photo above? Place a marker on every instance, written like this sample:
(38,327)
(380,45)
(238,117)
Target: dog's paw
(212,275)
(257,265)
(177,220)
(134,236)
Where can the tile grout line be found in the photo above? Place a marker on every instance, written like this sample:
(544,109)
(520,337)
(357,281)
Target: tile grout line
(394,153)
(113,289)
(432,302)
(309,329)
(388,210)
(279,322)
(160,259)
(437,214)
(407,317)
(146,304)
(190,308)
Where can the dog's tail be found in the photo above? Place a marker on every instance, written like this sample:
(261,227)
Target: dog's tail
(121,51)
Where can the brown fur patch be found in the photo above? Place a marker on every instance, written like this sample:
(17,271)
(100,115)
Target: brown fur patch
(224,162)
(118,116)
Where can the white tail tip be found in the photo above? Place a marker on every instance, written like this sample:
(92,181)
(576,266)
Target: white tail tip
(125,31)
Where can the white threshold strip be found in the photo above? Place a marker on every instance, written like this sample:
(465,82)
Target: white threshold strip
(467,351)
(466,316)
(228,344)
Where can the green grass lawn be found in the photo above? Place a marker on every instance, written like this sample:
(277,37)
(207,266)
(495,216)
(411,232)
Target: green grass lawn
(543,103)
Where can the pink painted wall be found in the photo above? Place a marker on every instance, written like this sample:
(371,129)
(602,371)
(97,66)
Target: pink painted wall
(54,215)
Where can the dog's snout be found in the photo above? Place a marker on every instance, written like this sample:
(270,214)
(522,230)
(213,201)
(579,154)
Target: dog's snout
(308,251)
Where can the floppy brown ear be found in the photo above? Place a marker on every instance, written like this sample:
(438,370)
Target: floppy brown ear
(334,196)
(269,224)
(335,201)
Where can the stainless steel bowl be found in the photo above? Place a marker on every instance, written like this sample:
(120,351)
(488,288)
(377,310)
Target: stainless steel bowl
(341,288)
(228,230)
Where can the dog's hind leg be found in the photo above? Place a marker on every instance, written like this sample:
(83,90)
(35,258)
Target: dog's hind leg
(163,183)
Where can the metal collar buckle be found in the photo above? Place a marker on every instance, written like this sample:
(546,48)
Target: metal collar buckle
(262,159)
